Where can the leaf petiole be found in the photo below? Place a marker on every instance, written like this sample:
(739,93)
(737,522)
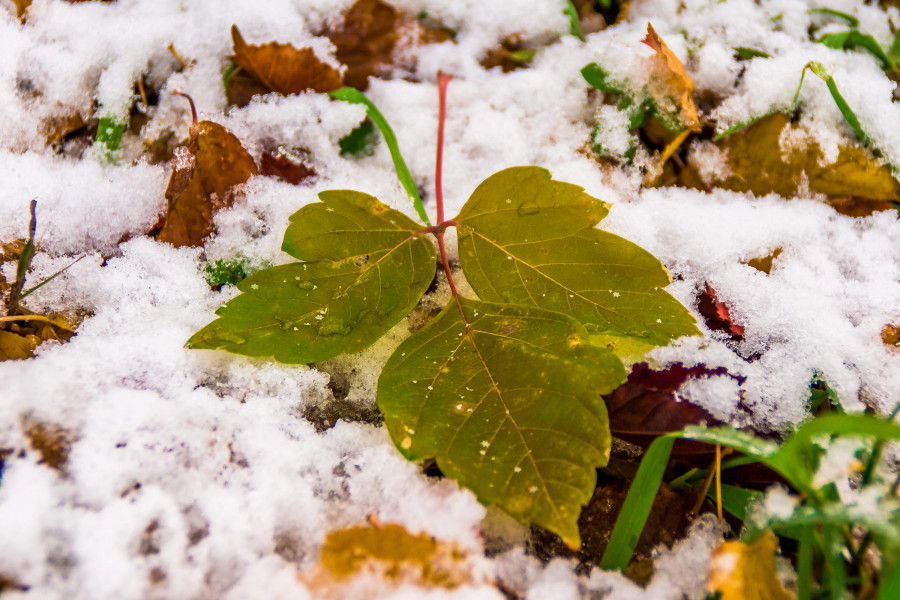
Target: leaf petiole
(443,82)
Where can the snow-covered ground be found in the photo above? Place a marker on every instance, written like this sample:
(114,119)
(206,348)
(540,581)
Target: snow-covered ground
(195,474)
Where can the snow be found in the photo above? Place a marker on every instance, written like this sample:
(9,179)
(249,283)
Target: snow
(195,474)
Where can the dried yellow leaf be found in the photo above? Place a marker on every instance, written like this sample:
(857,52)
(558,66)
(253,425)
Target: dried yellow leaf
(672,82)
(388,553)
(757,163)
(741,571)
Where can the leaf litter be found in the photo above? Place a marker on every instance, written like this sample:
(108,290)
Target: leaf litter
(691,268)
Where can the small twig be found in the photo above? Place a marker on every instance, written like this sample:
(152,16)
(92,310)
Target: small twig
(143,93)
(49,279)
(719,481)
(704,489)
(177,56)
(191,102)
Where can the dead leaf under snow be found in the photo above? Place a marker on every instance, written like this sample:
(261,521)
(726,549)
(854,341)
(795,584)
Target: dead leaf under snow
(742,571)
(365,40)
(275,67)
(754,162)
(670,85)
(385,553)
(204,174)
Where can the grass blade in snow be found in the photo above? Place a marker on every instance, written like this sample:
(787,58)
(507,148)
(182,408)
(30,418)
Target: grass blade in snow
(354,96)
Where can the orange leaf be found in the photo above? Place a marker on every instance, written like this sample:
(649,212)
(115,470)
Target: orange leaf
(890,335)
(275,67)
(203,177)
(741,571)
(390,554)
(674,81)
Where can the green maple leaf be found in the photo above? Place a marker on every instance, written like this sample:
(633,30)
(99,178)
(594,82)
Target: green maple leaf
(365,270)
(511,410)
(528,240)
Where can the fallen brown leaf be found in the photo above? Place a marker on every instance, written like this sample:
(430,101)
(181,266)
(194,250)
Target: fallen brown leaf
(275,67)
(365,40)
(204,174)
(890,335)
(21,8)
(647,406)
(509,56)
(50,441)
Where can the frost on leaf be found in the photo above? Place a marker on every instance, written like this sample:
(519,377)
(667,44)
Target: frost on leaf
(275,67)
(204,174)
(742,571)
(390,553)
(511,409)
(365,271)
(528,240)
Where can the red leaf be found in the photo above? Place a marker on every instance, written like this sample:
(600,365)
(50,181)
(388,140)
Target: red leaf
(717,316)
(647,406)
(284,168)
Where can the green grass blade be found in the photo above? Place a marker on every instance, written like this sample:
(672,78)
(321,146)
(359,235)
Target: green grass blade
(636,507)
(835,569)
(842,105)
(805,564)
(894,51)
(354,96)
(730,437)
(735,500)
(791,460)
(847,40)
(850,19)
(745,53)
(742,124)
(600,79)
(890,583)
(49,279)
(574,24)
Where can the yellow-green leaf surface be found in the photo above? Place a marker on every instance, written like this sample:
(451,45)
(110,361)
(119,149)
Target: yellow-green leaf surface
(526,239)
(368,272)
(511,410)
(346,224)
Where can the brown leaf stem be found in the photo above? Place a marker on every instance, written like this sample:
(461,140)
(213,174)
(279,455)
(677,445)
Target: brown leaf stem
(191,102)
